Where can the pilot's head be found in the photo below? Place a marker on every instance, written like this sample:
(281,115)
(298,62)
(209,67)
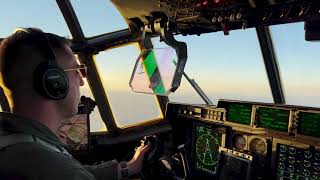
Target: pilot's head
(40,68)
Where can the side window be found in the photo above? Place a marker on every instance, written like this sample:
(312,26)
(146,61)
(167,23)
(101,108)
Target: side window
(299,64)
(129,108)
(96,123)
(104,18)
(16,13)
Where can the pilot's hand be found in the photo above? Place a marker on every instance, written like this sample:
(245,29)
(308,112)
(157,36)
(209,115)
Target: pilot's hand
(136,163)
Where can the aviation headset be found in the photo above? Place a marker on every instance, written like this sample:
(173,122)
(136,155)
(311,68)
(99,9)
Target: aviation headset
(49,79)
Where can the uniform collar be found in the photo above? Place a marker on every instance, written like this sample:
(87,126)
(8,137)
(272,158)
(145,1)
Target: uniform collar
(13,123)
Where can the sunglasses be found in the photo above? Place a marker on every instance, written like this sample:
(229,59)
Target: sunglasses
(81,69)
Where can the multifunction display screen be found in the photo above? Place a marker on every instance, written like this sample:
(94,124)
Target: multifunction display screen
(272,118)
(232,167)
(74,132)
(297,163)
(240,113)
(206,144)
(309,124)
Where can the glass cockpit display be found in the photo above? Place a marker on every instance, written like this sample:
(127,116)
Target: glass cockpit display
(297,163)
(309,124)
(273,118)
(206,149)
(234,165)
(74,132)
(240,113)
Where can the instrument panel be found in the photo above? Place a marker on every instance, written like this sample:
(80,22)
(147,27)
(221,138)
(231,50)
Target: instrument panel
(248,140)
(203,16)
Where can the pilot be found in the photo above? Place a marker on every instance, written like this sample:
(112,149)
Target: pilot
(41,79)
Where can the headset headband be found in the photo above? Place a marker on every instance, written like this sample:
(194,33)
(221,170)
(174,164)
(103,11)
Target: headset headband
(49,79)
(42,37)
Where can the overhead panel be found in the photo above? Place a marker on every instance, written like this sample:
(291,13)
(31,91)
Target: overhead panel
(203,16)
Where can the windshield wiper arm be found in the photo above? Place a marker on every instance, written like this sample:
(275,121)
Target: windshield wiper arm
(198,89)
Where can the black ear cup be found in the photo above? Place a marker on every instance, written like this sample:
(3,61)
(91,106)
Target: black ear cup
(48,79)
(51,81)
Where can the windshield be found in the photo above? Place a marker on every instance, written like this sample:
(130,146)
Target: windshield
(231,67)
(225,67)
(103,19)
(298,61)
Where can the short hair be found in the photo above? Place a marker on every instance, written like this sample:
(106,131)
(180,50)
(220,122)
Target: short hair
(18,52)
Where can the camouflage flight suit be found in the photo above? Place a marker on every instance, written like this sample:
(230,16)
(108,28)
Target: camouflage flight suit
(35,152)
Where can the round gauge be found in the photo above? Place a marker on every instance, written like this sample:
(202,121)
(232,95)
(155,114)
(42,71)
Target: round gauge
(257,146)
(238,142)
(206,149)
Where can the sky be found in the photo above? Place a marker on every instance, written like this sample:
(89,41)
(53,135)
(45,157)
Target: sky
(225,67)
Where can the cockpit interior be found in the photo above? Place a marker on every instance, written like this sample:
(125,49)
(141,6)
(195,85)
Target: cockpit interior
(229,139)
